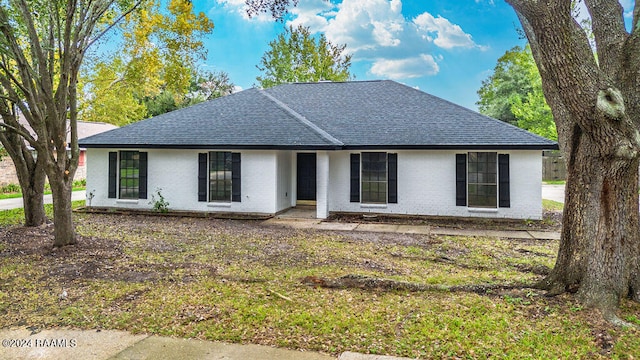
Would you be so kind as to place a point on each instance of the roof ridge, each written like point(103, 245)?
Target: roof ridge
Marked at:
point(302, 119)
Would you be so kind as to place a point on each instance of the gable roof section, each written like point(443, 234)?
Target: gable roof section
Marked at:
point(326, 115)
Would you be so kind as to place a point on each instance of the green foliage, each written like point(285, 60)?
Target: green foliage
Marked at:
point(513, 93)
point(511, 79)
point(12, 191)
point(154, 71)
point(160, 204)
point(10, 188)
point(113, 98)
point(296, 56)
point(204, 86)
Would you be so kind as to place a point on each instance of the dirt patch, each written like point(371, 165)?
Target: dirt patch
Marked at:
point(147, 248)
point(551, 221)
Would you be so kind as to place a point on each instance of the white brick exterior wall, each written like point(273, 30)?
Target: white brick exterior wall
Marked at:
point(426, 183)
point(176, 173)
point(426, 186)
point(284, 180)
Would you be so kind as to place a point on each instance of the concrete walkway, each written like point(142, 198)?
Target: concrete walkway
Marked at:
point(63, 344)
point(16, 203)
point(299, 222)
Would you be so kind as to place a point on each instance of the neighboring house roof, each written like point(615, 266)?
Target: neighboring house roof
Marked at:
point(324, 115)
point(85, 128)
point(89, 128)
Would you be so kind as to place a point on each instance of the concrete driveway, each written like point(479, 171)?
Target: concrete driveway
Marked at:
point(553, 192)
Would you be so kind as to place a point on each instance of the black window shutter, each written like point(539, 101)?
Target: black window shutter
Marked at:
point(236, 194)
point(202, 177)
point(392, 169)
point(504, 195)
point(113, 174)
point(355, 178)
point(461, 179)
point(142, 178)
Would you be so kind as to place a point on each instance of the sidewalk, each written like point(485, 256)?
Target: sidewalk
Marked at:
point(62, 344)
point(306, 223)
point(8, 204)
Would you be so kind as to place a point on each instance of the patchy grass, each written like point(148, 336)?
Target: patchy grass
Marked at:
point(16, 216)
point(551, 205)
point(554, 182)
point(241, 281)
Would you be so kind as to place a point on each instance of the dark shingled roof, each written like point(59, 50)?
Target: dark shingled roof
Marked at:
point(325, 115)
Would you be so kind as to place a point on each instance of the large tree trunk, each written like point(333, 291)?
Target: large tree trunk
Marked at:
point(61, 188)
point(599, 247)
point(595, 105)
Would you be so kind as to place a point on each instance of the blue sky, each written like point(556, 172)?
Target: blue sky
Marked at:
point(445, 48)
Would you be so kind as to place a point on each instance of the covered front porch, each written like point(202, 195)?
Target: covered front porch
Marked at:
point(309, 182)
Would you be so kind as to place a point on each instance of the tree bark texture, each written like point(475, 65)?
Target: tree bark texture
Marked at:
point(594, 99)
point(30, 170)
point(31, 177)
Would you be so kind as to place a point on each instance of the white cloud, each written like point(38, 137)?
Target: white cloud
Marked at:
point(423, 65)
point(239, 7)
point(628, 8)
point(442, 32)
point(376, 30)
point(313, 14)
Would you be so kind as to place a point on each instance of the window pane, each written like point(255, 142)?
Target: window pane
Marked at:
point(374, 177)
point(220, 176)
point(129, 174)
point(482, 176)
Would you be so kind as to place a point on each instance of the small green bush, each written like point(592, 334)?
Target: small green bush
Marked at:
point(160, 204)
point(11, 188)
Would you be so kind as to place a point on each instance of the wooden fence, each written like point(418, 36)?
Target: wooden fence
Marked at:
point(553, 168)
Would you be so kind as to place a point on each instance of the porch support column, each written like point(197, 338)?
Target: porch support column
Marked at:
point(322, 184)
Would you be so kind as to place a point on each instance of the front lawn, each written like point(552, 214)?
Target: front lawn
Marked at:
point(241, 281)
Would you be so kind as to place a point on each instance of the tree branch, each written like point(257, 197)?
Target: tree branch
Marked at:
point(608, 28)
point(635, 25)
point(115, 22)
point(20, 131)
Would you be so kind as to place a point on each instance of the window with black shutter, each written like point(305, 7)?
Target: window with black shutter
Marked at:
point(374, 178)
point(219, 177)
point(128, 175)
point(482, 180)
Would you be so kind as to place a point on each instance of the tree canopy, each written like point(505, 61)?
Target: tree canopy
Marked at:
point(513, 94)
point(155, 69)
point(296, 56)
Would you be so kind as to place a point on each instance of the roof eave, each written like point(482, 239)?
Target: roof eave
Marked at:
point(327, 147)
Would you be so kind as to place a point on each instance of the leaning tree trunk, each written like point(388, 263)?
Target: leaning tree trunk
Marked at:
point(31, 176)
point(596, 110)
point(33, 196)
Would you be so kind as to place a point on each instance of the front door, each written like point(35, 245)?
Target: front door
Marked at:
point(306, 188)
